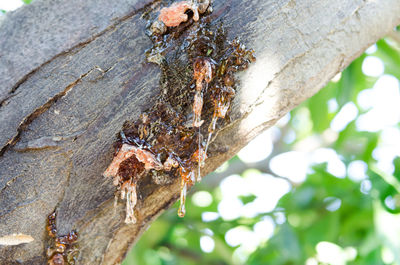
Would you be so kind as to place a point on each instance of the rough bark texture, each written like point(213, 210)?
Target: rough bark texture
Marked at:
point(72, 71)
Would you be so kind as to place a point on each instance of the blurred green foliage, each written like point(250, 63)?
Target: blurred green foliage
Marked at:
point(323, 220)
point(27, 2)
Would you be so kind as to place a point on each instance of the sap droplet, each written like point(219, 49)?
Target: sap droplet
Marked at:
point(131, 200)
point(182, 210)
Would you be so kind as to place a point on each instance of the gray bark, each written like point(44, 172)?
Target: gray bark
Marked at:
point(71, 72)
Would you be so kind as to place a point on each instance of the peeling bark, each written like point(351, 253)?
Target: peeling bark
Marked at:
point(71, 72)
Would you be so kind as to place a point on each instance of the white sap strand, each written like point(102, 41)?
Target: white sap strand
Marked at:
point(182, 210)
point(131, 200)
point(200, 160)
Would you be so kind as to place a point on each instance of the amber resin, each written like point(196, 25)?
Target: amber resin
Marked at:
point(197, 85)
point(175, 14)
point(62, 249)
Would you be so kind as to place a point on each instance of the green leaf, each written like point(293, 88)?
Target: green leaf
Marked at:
point(388, 178)
point(396, 163)
point(319, 108)
point(386, 185)
point(390, 57)
point(247, 199)
point(283, 248)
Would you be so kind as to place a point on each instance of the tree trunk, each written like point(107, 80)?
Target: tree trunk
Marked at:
point(72, 71)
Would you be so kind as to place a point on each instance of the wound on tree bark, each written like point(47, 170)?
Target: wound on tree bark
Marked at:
point(62, 249)
point(198, 67)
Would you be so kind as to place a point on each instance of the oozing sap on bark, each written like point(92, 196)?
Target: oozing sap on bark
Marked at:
point(197, 86)
point(62, 249)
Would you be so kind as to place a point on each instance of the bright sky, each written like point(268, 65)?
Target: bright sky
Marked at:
point(9, 5)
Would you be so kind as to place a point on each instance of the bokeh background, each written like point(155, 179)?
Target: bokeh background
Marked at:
point(320, 187)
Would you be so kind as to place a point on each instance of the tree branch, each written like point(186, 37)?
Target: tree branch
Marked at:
point(47, 46)
point(395, 35)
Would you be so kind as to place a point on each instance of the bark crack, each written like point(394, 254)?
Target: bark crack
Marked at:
point(9, 183)
point(36, 113)
point(75, 49)
point(45, 142)
point(68, 181)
